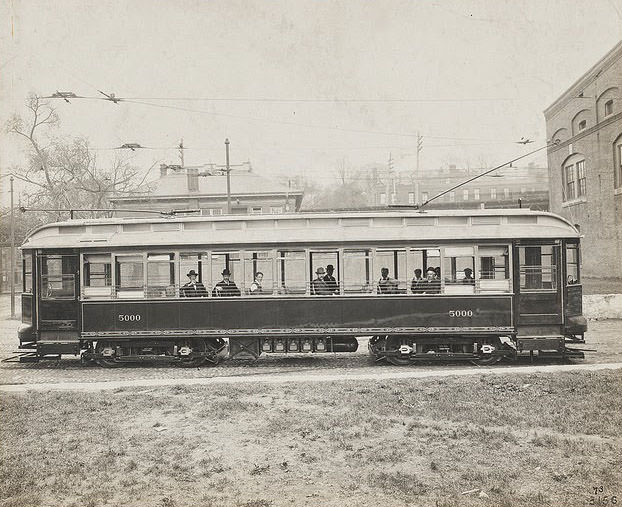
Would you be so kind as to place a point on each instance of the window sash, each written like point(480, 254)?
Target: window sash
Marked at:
point(572, 265)
point(27, 273)
point(538, 267)
point(581, 178)
point(58, 277)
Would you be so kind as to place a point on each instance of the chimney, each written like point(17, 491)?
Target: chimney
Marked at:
point(163, 170)
point(193, 179)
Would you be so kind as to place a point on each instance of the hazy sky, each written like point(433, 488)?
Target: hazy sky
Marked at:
point(300, 86)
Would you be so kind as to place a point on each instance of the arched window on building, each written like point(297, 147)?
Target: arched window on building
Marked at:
point(581, 121)
point(560, 135)
point(607, 102)
point(574, 181)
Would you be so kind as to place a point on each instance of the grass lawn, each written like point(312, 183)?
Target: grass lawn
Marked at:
point(514, 440)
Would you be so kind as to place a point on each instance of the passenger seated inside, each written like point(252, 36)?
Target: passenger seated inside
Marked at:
point(431, 284)
point(415, 284)
point(468, 277)
point(193, 288)
point(255, 288)
point(226, 287)
point(330, 280)
point(386, 284)
point(318, 285)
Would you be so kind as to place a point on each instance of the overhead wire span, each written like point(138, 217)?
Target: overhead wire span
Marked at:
point(111, 97)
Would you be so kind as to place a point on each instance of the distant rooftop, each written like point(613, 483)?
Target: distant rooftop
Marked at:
point(193, 181)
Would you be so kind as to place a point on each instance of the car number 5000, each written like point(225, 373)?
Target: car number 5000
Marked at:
point(461, 313)
point(128, 318)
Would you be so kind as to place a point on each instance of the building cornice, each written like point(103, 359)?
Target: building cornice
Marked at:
point(577, 87)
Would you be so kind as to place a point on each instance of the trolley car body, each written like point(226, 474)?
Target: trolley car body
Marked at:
point(112, 289)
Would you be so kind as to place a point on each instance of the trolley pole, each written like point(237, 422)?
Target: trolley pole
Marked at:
point(12, 255)
point(228, 169)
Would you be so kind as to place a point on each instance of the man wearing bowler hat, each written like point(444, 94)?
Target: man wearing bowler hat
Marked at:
point(330, 280)
point(226, 287)
point(193, 288)
point(318, 285)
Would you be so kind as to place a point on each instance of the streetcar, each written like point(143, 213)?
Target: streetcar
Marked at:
point(501, 284)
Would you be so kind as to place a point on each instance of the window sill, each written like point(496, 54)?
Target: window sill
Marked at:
point(574, 202)
point(617, 191)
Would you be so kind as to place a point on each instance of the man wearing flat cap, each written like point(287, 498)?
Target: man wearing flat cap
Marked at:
point(194, 288)
point(226, 287)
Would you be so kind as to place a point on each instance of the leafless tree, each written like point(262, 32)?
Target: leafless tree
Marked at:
point(64, 174)
point(342, 171)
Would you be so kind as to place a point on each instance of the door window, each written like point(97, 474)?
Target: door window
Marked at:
point(58, 276)
point(27, 267)
point(572, 264)
point(538, 267)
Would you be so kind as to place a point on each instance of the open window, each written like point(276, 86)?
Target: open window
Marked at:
point(97, 275)
point(494, 269)
point(425, 264)
point(230, 261)
point(58, 276)
point(393, 263)
point(259, 273)
point(459, 270)
point(329, 262)
point(191, 261)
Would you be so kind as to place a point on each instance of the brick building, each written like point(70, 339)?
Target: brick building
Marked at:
point(509, 187)
point(201, 188)
point(586, 163)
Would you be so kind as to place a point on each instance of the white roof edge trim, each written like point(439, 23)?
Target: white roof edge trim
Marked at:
point(555, 227)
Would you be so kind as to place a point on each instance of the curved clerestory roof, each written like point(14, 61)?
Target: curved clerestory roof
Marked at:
point(432, 226)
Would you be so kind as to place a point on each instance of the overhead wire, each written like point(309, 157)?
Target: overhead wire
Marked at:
point(118, 100)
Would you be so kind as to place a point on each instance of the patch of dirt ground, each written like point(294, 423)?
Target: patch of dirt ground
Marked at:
point(512, 440)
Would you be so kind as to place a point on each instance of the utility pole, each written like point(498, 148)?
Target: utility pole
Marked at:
point(228, 169)
point(12, 256)
point(181, 152)
point(417, 187)
point(390, 187)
